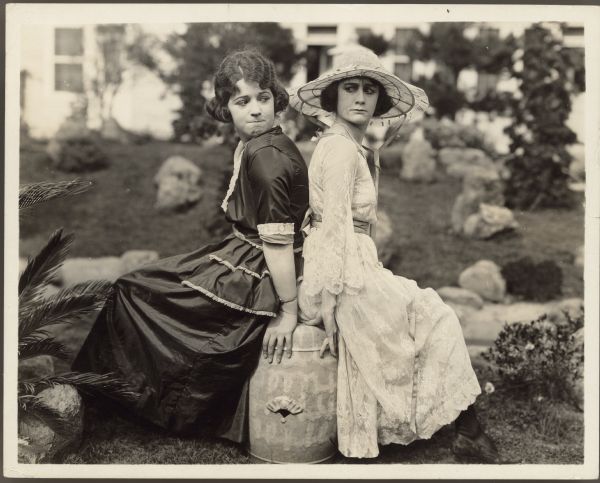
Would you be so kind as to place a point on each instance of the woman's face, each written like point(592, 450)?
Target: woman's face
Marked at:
point(252, 109)
point(357, 99)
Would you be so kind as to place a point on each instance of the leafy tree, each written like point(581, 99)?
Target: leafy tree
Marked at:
point(447, 44)
point(198, 53)
point(377, 43)
point(548, 75)
point(110, 65)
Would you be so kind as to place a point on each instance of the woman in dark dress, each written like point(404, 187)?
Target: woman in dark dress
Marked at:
point(186, 332)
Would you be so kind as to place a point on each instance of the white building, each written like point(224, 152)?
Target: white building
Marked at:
point(59, 65)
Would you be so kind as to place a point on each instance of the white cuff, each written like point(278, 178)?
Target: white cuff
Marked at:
point(275, 229)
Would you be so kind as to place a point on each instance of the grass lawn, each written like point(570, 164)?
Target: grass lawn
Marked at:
point(525, 431)
point(118, 215)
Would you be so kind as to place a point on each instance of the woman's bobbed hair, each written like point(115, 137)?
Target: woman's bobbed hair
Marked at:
point(329, 98)
point(251, 66)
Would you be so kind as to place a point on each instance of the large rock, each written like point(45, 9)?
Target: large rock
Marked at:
point(483, 326)
point(485, 279)
point(134, 259)
point(489, 221)
point(461, 161)
point(479, 186)
point(34, 367)
point(77, 270)
point(44, 443)
point(460, 296)
point(178, 184)
point(418, 159)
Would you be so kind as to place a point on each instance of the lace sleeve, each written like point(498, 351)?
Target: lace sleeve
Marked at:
point(332, 261)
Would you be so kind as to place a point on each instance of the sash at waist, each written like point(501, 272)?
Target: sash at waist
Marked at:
point(360, 226)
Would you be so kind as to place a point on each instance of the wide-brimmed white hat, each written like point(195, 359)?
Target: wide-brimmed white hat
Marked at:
point(358, 61)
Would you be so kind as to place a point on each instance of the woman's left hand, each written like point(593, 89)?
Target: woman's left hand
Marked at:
point(279, 336)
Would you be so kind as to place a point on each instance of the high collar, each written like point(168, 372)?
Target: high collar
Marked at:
point(273, 130)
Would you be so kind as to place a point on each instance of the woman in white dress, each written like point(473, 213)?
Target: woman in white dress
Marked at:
point(403, 370)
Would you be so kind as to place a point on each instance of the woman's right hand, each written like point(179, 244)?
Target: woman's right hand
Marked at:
point(279, 336)
point(327, 314)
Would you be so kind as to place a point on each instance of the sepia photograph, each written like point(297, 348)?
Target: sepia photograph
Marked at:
point(301, 241)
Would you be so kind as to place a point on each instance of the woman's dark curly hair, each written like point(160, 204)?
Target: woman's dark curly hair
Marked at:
point(251, 66)
point(329, 98)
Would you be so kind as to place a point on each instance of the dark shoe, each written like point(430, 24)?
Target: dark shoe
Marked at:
point(480, 448)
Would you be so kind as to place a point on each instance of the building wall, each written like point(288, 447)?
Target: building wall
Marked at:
point(44, 107)
point(143, 103)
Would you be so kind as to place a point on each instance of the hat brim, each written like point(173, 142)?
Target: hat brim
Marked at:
point(406, 99)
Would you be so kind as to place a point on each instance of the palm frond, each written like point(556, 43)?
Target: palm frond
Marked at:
point(25, 389)
point(33, 407)
point(108, 384)
point(66, 306)
point(32, 194)
point(44, 265)
point(33, 347)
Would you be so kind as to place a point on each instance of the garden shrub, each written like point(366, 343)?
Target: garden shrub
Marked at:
point(539, 358)
point(539, 160)
point(531, 280)
point(81, 154)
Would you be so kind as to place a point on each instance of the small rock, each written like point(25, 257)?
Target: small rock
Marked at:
point(460, 296)
point(34, 367)
point(77, 270)
point(45, 441)
point(479, 186)
point(178, 184)
point(418, 159)
point(573, 308)
point(49, 290)
point(489, 221)
point(485, 279)
point(134, 259)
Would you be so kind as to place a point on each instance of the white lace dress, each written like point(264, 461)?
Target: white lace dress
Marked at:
point(404, 370)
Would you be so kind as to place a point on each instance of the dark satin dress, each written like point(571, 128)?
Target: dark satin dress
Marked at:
point(186, 331)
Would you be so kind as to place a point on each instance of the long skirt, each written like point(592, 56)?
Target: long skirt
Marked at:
point(185, 333)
